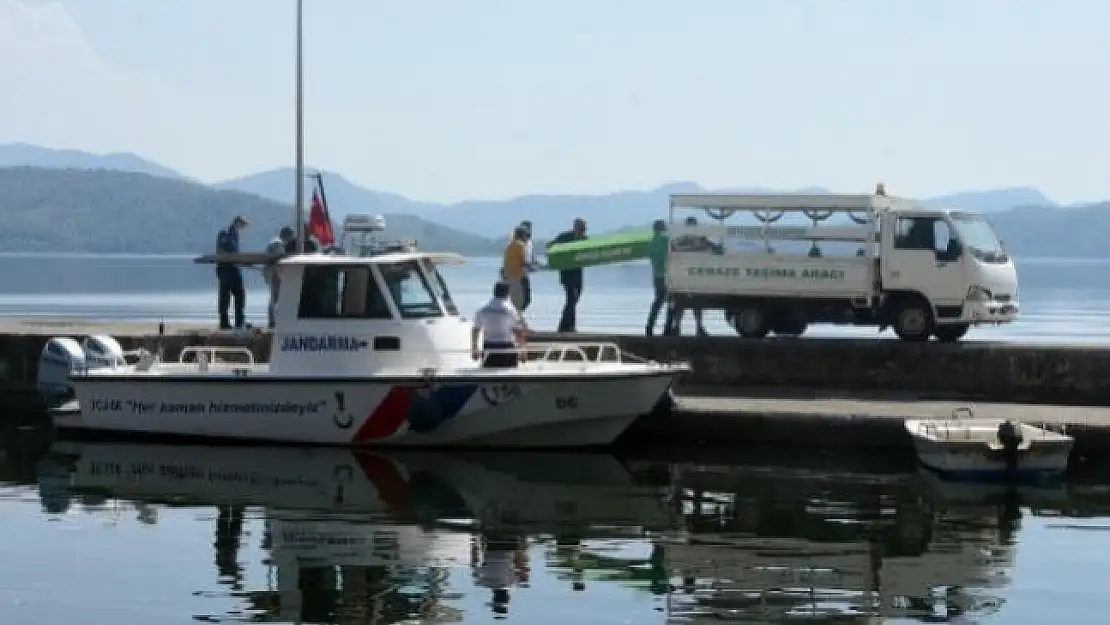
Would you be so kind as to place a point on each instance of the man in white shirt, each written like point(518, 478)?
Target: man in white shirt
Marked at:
point(501, 329)
point(276, 246)
point(530, 265)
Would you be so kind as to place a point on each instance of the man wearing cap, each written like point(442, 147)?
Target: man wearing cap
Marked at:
point(229, 276)
point(276, 247)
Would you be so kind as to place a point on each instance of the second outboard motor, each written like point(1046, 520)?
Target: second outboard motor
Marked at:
point(60, 357)
point(1009, 435)
point(102, 350)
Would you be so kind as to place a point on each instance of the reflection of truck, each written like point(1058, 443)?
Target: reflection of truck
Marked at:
point(889, 263)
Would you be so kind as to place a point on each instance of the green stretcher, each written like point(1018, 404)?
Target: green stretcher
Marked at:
point(601, 250)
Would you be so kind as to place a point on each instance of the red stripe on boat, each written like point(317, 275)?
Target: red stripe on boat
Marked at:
point(388, 416)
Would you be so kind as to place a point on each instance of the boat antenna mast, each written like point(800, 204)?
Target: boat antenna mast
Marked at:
point(298, 200)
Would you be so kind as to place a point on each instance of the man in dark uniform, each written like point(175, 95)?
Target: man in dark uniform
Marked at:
point(571, 279)
point(229, 276)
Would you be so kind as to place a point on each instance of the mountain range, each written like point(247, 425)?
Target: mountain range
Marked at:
point(133, 190)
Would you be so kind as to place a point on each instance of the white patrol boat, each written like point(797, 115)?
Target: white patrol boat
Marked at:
point(366, 350)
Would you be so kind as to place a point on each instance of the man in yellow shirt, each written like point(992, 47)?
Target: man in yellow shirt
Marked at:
point(513, 266)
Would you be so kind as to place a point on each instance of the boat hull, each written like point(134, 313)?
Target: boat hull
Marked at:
point(492, 412)
point(972, 461)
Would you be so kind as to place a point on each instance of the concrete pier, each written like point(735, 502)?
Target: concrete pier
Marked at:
point(22, 340)
point(972, 371)
point(707, 417)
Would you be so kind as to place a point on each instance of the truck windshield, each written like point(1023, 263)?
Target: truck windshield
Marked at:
point(978, 237)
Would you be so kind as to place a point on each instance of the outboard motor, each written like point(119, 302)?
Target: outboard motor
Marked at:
point(60, 356)
point(1009, 435)
point(102, 350)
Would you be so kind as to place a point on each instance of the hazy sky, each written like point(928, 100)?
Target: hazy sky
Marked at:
point(452, 99)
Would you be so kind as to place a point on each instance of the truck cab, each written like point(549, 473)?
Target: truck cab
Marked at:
point(777, 263)
point(952, 264)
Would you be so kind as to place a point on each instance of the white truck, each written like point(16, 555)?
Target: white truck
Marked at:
point(777, 263)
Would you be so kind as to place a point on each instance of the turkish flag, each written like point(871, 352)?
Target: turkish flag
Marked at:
point(319, 223)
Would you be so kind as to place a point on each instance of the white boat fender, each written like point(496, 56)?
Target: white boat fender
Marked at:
point(60, 357)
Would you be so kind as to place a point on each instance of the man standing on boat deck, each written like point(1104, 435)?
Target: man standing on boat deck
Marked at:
point(275, 247)
point(501, 328)
point(529, 265)
point(513, 267)
point(571, 279)
point(229, 276)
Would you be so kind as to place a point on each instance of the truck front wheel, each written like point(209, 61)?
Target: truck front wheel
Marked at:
point(750, 323)
point(913, 321)
point(950, 333)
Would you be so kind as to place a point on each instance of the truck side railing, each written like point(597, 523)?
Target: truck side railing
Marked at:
point(775, 233)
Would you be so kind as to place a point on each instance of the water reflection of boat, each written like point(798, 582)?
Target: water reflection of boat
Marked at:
point(373, 533)
point(525, 490)
point(776, 543)
point(1047, 495)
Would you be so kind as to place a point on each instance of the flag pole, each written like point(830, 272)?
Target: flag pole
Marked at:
point(323, 196)
point(298, 200)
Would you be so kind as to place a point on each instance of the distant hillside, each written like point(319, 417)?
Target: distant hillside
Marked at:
point(1047, 232)
point(554, 213)
point(1031, 224)
point(25, 155)
point(344, 197)
point(77, 210)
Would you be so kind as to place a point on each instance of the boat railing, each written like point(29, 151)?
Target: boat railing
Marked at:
point(586, 352)
point(953, 430)
point(215, 354)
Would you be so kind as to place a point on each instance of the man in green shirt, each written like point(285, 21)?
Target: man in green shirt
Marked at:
point(657, 252)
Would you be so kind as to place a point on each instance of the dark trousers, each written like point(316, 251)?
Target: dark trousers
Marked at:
point(500, 358)
point(231, 287)
point(568, 321)
point(675, 325)
point(660, 299)
point(526, 284)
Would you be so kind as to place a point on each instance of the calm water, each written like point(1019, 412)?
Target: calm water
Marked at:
point(108, 533)
point(1062, 300)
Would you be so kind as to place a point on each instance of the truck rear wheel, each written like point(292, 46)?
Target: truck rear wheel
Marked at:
point(750, 322)
point(913, 320)
point(950, 333)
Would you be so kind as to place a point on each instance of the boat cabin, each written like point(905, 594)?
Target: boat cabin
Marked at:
point(350, 315)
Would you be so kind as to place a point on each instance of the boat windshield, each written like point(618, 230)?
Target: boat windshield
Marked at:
point(410, 290)
point(978, 237)
point(439, 285)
